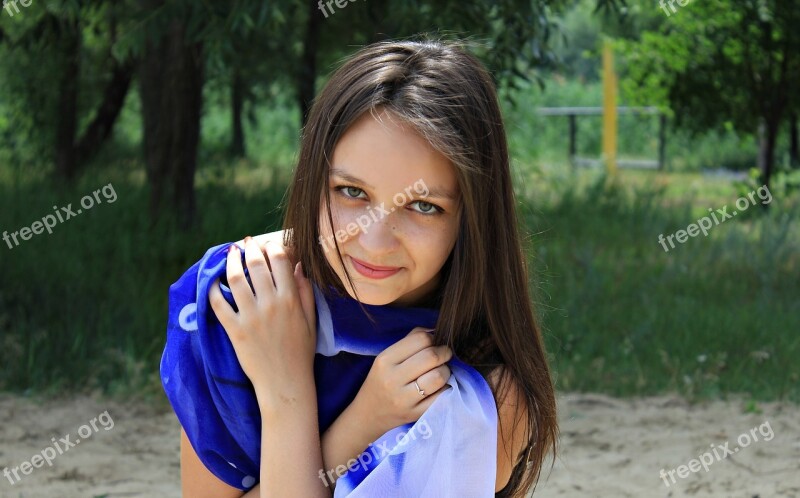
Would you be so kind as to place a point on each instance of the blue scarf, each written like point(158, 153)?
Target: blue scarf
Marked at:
point(449, 451)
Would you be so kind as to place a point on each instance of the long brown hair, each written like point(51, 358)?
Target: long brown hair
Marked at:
point(486, 313)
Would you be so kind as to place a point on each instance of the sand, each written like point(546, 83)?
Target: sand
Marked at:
point(612, 447)
point(137, 456)
point(608, 447)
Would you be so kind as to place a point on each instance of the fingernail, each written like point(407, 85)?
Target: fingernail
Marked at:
point(247, 239)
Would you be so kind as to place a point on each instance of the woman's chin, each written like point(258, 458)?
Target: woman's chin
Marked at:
point(374, 297)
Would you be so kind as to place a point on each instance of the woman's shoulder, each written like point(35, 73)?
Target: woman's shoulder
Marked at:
point(495, 376)
point(505, 387)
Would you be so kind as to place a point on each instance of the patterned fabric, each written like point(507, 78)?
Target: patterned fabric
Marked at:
point(449, 451)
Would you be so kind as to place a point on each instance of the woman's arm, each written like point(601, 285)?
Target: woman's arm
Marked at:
point(353, 430)
point(387, 399)
point(343, 441)
point(286, 392)
point(274, 336)
point(197, 481)
point(512, 427)
point(291, 457)
point(283, 376)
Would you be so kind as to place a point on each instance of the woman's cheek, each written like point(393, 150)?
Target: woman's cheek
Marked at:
point(438, 239)
point(346, 221)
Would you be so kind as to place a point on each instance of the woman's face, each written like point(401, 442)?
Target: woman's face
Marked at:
point(395, 203)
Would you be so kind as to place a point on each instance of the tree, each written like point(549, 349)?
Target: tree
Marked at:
point(248, 51)
point(56, 90)
point(301, 40)
point(171, 88)
point(514, 34)
point(723, 61)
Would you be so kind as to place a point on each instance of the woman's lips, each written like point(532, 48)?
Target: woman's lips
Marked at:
point(369, 271)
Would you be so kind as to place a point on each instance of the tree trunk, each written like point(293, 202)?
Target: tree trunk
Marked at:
point(70, 40)
point(103, 123)
point(237, 103)
point(794, 143)
point(308, 65)
point(171, 81)
point(768, 134)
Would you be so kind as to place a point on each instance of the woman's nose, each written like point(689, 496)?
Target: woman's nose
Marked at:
point(380, 235)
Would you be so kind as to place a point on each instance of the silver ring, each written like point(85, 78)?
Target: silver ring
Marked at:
point(420, 391)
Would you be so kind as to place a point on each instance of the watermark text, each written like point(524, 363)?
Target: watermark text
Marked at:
point(717, 453)
point(49, 221)
point(371, 453)
point(704, 224)
point(63, 445)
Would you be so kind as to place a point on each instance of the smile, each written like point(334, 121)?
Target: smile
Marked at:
point(376, 272)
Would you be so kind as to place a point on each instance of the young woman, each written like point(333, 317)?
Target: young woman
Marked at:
point(401, 200)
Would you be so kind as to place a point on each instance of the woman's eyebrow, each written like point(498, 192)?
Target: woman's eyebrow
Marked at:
point(439, 192)
point(348, 177)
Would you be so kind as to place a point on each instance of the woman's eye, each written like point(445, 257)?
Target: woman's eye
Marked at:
point(427, 208)
point(350, 192)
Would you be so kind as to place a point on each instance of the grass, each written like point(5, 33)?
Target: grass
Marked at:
point(714, 316)
point(85, 307)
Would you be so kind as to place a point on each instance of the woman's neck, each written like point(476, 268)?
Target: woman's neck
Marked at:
point(425, 296)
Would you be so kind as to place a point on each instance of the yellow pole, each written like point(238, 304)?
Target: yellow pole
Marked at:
point(609, 110)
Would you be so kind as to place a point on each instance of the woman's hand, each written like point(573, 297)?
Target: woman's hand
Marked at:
point(388, 397)
point(274, 333)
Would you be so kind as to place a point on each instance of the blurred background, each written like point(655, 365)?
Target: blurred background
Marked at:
point(155, 129)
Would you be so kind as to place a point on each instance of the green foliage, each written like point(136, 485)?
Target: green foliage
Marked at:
point(540, 139)
point(784, 184)
point(87, 307)
point(257, 41)
point(583, 29)
point(717, 62)
point(272, 133)
point(714, 316)
point(512, 37)
point(752, 407)
point(31, 62)
point(577, 48)
point(258, 44)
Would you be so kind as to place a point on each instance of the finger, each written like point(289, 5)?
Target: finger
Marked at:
point(282, 271)
point(427, 401)
point(257, 267)
point(433, 380)
point(306, 292)
point(222, 309)
point(242, 292)
point(416, 340)
point(423, 361)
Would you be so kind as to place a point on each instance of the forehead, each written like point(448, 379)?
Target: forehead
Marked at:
point(384, 152)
